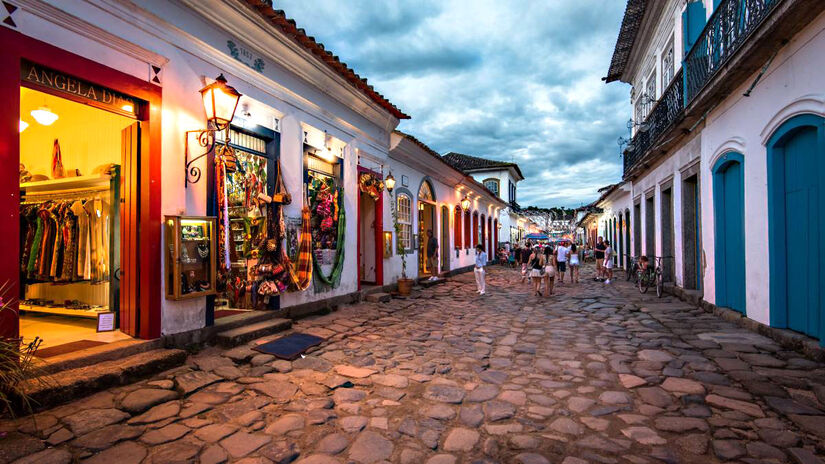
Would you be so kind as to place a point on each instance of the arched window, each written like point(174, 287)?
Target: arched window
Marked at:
point(467, 230)
point(425, 192)
point(404, 221)
point(492, 185)
point(457, 227)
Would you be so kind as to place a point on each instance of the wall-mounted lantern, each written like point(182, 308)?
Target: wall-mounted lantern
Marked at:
point(465, 204)
point(220, 100)
point(389, 182)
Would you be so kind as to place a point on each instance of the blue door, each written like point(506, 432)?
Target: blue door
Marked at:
point(801, 231)
point(797, 227)
point(729, 214)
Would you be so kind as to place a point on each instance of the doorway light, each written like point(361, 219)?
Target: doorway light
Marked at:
point(44, 116)
point(23, 125)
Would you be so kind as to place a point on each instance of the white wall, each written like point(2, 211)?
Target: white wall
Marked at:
point(792, 85)
point(129, 39)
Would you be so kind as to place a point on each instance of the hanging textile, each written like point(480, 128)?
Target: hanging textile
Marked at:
point(301, 271)
point(334, 277)
point(223, 215)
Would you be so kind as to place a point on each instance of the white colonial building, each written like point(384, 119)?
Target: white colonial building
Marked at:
point(502, 179)
point(722, 175)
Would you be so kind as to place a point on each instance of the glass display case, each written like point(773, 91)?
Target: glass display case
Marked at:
point(190, 256)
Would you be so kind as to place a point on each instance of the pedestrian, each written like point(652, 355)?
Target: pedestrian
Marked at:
point(536, 265)
point(562, 252)
point(525, 256)
point(574, 263)
point(608, 262)
point(599, 255)
point(549, 274)
point(432, 255)
point(481, 262)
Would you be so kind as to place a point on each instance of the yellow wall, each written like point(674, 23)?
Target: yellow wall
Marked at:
point(88, 136)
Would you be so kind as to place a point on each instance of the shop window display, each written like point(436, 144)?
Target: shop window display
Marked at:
point(70, 186)
point(327, 219)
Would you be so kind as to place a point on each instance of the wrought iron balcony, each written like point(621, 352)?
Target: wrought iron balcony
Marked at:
point(727, 31)
point(730, 25)
point(669, 109)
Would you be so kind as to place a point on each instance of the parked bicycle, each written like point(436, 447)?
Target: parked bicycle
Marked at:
point(649, 274)
point(632, 268)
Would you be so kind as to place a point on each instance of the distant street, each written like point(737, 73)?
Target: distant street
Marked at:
point(597, 373)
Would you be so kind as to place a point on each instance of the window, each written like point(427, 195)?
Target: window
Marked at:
point(404, 221)
point(467, 229)
point(649, 98)
point(667, 65)
point(650, 93)
point(475, 230)
point(638, 112)
point(512, 193)
point(492, 185)
point(457, 227)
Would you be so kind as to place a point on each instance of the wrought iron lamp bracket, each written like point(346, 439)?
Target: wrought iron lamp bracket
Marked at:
point(208, 141)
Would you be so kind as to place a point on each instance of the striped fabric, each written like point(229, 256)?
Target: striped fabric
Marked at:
point(301, 272)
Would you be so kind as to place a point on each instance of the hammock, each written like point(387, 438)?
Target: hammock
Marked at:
point(302, 276)
point(338, 265)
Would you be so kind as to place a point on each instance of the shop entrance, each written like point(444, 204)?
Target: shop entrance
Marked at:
point(366, 233)
point(256, 149)
point(427, 265)
point(370, 227)
point(75, 171)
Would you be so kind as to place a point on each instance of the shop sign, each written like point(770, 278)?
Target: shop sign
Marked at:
point(77, 89)
point(245, 56)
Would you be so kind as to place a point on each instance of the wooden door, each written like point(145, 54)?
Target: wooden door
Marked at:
point(802, 242)
point(729, 213)
point(445, 239)
point(126, 277)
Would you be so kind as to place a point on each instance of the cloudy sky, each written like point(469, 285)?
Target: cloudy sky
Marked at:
point(512, 80)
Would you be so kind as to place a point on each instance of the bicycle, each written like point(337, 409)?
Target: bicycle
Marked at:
point(632, 268)
point(651, 276)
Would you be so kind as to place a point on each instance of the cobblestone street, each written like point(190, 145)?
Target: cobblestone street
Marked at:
point(596, 373)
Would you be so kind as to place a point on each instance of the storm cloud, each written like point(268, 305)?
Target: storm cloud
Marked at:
point(508, 80)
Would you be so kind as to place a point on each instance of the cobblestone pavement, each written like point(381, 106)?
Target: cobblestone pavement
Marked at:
point(595, 373)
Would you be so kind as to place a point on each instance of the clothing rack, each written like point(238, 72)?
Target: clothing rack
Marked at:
point(92, 186)
point(61, 194)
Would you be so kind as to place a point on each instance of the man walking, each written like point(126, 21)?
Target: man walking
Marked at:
point(481, 261)
point(562, 252)
point(599, 255)
point(432, 255)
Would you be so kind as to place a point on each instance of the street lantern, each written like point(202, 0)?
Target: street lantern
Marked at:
point(465, 204)
point(220, 100)
point(389, 182)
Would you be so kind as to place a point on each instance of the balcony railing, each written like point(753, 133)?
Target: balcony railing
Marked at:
point(667, 110)
point(727, 29)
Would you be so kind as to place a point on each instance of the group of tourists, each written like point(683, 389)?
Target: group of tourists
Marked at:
point(540, 264)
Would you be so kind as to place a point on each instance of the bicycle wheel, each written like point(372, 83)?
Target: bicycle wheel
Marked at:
point(643, 282)
point(629, 273)
point(660, 284)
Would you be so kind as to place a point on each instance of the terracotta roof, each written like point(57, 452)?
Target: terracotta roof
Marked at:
point(467, 163)
point(434, 154)
point(633, 15)
point(288, 27)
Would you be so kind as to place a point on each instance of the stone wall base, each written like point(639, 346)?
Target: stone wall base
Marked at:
point(789, 339)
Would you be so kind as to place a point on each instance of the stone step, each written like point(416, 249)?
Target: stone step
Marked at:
point(52, 389)
point(241, 335)
point(379, 297)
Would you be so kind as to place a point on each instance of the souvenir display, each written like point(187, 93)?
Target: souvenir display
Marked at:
point(190, 261)
point(370, 184)
point(327, 228)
